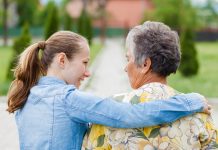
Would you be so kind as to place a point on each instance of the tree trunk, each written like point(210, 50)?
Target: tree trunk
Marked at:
point(5, 26)
point(85, 3)
point(103, 19)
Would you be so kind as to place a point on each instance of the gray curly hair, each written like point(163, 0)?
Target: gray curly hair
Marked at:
point(158, 42)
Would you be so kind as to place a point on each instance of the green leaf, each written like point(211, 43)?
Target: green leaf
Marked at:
point(154, 133)
point(100, 141)
point(140, 134)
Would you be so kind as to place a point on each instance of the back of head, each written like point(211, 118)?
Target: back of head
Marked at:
point(158, 42)
point(34, 62)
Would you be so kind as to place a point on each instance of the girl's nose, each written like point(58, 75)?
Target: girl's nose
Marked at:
point(87, 73)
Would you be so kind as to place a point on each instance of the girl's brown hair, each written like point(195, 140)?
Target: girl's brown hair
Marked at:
point(32, 64)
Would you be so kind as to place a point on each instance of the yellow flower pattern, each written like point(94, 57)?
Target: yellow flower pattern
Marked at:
point(193, 132)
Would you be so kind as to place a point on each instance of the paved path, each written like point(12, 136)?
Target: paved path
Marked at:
point(8, 131)
point(108, 77)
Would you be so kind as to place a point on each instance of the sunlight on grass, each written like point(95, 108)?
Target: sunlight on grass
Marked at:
point(206, 82)
point(5, 56)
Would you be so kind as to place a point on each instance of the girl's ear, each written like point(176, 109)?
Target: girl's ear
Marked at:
point(146, 66)
point(61, 58)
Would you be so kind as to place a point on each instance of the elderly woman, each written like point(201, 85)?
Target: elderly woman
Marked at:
point(153, 53)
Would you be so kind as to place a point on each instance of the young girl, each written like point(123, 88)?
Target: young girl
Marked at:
point(51, 113)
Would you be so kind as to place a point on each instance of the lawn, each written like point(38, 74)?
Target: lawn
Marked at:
point(6, 54)
point(206, 82)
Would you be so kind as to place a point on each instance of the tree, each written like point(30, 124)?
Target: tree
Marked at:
point(189, 63)
point(189, 22)
point(68, 22)
point(181, 16)
point(208, 14)
point(176, 14)
point(102, 14)
point(85, 26)
point(52, 24)
point(5, 18)
point(20, 43)
point(65, 18)
point(169, 11)
point(26, 11)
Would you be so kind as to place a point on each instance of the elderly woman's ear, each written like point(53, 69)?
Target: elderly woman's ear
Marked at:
point(146, 67)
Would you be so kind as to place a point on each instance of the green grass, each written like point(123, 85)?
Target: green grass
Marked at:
point(206, 82)
point(5, 57)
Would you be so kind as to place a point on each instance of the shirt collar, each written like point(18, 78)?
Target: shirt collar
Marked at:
point(50, 80)
point(151, 84)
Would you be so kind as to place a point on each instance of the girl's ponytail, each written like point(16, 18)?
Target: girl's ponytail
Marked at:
point(27, 73)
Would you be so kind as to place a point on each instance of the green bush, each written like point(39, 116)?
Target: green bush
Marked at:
point(20, 43)
point(189, 62)
point(85, 26)
point(52, 24)
point(68, 23)
point(26, 11)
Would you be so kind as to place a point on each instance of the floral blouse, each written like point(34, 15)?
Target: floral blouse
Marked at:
point(193, 132)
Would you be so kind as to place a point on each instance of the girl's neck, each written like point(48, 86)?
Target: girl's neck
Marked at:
point(54, 73)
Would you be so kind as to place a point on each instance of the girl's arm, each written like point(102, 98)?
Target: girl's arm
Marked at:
point(83, 107)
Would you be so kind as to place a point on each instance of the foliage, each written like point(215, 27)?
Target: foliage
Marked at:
point(65, 17)
point(149, 15)
point(188, 16)
point(52, 24)
point(40, 17)
point(19, 45)
point(206, 81)
point(176, 14)
point(43, 13)
point(4, 21)
point(1, 14)
point(180, 15)
point(85, 26)
point(168, 12)
point(26, 11)
point(68, 22)
point(208, 14)
point(189, 63)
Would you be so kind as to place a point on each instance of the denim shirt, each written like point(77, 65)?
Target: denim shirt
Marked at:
point(56, 115)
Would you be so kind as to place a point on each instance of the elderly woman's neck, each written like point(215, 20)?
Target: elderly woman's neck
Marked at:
point(149, 77)
point(153, 77)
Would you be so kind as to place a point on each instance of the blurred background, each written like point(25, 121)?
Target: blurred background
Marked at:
point(105, 23)
point(23, 22)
